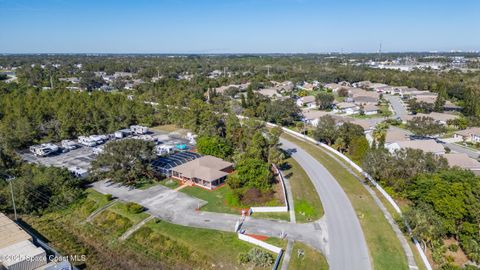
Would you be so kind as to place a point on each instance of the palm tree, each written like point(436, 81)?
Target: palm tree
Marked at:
point(380, 133)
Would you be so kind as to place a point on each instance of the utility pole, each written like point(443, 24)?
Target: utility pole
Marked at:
point(9, 179)
point(268, 70)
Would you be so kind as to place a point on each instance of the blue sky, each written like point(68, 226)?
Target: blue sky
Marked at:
point(228, 26)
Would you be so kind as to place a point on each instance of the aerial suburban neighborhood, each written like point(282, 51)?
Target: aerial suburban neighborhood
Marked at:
point(239, 135)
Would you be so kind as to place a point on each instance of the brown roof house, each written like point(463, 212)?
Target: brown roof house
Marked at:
point(427, 146)
point(463, 161)
point(207, 171)
point(469, 135)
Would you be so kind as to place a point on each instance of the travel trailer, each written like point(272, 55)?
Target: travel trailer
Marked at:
point(43, 150)
point(139, 130)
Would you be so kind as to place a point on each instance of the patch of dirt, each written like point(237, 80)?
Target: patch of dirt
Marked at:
point(460, 258)
point(254, 196)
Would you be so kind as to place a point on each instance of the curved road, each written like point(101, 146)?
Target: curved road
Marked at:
point(338, 233)
point(347, 248)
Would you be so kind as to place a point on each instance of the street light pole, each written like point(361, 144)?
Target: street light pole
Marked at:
point(9, 179)
point(13, 199)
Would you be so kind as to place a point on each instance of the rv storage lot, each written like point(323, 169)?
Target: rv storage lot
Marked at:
point(82, 157)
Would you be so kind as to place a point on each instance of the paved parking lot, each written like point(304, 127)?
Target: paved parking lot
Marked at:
point(82, 157)
point(77, 158)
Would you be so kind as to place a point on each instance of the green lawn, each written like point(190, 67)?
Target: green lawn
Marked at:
point(216, 199)
point(307, 204)
point(305, 257)
point(121, 209)
point(384, 246)
point(280, 216)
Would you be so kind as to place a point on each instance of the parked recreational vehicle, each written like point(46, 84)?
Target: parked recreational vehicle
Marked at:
point(70, 145)
point(164, 149)
point(122, 133)
point(43, 150)
point(87, 141)
point(78, 172)
point(139, 130)
point(192, 138)
point(147, 138)
point(99, 139)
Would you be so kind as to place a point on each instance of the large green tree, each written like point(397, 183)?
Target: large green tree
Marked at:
point(215, 146)
point(126, 161)
point(425, 126)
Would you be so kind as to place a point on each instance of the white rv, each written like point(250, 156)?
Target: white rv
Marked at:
point(191, 138)
point(87, 141)
point(164, 149)
point(122, 133)
point(99, 139)
point(70, 145)
point(43, 150)
point(139, 130)
point(78, 172)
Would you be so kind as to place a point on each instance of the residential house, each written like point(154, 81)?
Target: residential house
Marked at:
point(241, 87)
point(384, 89)
point(441, 118)
point(394, 135)
point(308, 101)
point(346, 108)
point(367, 125)
point(463, 161)
point(428, 146)
point(362, 84)
point(311, 117)
point(207, 171)
point(359, 95)
point(306, 86)
point(369, 108)
point(333, 86)
point(468, 135)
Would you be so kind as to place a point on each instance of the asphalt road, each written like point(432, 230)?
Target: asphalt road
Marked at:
point(459, 149)
point(347, 245)
point(397, 105)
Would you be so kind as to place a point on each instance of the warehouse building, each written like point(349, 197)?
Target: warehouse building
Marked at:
point(16, 248)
